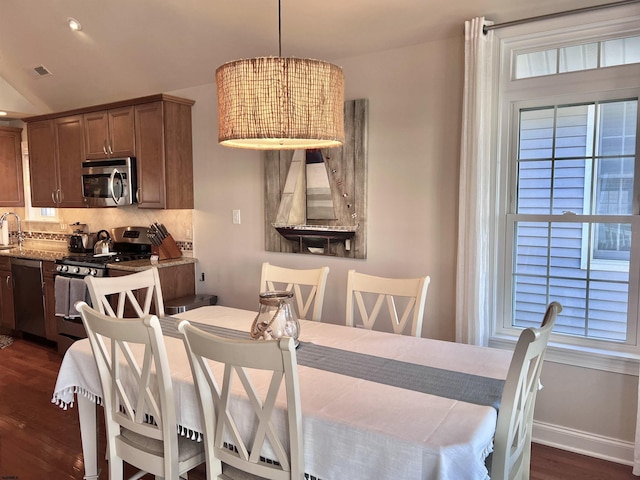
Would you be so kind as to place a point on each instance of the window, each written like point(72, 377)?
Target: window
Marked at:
point(569, 230)
point(573, 58)
point(566, 155)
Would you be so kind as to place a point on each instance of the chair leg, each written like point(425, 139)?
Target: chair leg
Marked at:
point(116, 468)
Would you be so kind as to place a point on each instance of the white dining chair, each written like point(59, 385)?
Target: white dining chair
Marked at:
point(511, 456)
point(264, 447)
point(370, 292)
point(130, 294)
point(308, 287)
point(137, 396)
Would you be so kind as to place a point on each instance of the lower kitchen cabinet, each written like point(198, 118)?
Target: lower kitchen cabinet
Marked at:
point(7, 317)
point(176, 281)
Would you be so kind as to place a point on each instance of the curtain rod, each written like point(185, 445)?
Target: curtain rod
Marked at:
point(486, 28)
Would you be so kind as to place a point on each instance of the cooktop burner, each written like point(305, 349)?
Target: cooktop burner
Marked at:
point(102, 258)
point(82, 264)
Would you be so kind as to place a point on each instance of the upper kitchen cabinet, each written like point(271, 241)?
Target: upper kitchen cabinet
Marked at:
point(11, 181)
point(164, 154)
point(156, 130)
point(56, 152)
point(109, 133)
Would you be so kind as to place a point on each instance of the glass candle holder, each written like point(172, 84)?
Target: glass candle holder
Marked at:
point(275, 317)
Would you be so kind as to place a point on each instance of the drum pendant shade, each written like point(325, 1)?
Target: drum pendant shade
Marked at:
point(276, 103)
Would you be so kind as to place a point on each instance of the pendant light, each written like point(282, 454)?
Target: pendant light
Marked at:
point(276, 103)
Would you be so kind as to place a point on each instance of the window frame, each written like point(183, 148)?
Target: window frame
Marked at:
point(510, 95)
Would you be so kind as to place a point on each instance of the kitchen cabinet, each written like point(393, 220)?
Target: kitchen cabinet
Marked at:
point(154, 129)
point(109, 133)
point(7, 317)
point(164, 154)
point(48, 271)
point(56, 152)
point(176, 281)
point(11, 181)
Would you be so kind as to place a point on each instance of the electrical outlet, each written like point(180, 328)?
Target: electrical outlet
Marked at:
point(236, 217)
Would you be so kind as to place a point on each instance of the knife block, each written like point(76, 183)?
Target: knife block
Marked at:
point(167, 249)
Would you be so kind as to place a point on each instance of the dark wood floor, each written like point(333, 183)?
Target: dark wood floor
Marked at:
point(38, 440)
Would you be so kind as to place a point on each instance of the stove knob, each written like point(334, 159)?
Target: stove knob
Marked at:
point(93, 271)
point(64, 268)
point(59, 268)
point(75, 270)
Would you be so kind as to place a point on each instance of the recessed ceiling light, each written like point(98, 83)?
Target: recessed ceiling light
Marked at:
point(74, 24)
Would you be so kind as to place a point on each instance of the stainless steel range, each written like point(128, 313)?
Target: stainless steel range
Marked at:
point(129, 243)
point(96, 265)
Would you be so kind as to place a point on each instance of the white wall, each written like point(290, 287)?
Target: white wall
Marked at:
point(414, 105)
point(414, 120)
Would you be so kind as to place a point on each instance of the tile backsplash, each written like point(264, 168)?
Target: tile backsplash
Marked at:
point(179, 223)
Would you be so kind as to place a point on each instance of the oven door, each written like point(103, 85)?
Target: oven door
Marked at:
point(69, 328)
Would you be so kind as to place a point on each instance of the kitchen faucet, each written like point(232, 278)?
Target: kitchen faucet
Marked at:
point(20, 234)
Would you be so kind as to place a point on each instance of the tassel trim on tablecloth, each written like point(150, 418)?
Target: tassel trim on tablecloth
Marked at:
point(183, 431)
point(191, 434)
point(74, 390)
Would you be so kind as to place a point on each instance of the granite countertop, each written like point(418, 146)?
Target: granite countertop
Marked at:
point(54, 252)
point(34, 253)
point(139, 265)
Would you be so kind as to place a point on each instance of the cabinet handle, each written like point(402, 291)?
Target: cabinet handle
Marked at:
point(9, 285)
point(110, 149)
point(53, 198)
point(104, 147)
point(59, 196)
point(138, 195)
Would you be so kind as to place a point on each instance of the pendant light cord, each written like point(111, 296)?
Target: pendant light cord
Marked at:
point(279, 31)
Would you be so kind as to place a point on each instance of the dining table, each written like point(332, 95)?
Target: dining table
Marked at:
point(374, 404)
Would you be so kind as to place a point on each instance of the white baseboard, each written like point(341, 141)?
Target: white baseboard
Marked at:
point(606, 448)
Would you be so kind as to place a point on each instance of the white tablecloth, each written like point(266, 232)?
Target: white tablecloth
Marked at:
point(353, 428)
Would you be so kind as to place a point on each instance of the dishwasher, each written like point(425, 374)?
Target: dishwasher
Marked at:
point(28, 296)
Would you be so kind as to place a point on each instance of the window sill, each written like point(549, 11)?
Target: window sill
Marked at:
point(579, 356)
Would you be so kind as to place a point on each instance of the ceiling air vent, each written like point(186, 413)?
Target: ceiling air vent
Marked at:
point(41, 71)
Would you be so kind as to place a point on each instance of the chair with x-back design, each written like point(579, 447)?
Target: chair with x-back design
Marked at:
point(307, 286)
point(130, 295)
point(244, 384)
point(512, 444)
point(137, 395)
point(370, 293)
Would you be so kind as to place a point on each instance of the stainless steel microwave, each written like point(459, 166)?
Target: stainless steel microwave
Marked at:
point(109, 182)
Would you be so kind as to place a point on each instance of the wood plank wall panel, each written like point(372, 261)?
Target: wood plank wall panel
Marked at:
point(347, 171)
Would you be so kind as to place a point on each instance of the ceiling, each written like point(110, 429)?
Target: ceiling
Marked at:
point(131, 48)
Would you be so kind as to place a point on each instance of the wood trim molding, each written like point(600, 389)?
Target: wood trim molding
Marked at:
point(109, 106)
point(585, 443)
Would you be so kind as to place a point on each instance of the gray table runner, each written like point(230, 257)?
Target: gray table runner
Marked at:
point(410, 376)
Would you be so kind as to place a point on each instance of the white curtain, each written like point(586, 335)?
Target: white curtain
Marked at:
point(475, 195)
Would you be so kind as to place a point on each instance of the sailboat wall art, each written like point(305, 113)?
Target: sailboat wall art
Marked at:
point(316, 200)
